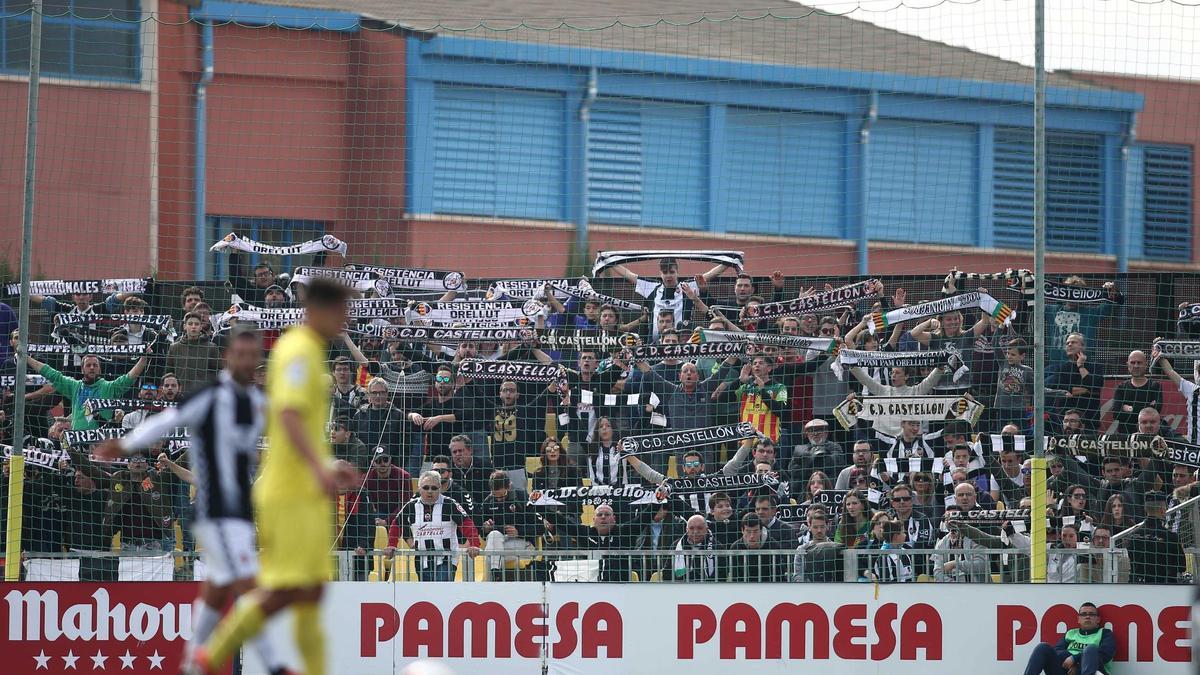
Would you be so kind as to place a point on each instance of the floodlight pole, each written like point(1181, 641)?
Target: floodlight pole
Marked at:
point(1037, 519)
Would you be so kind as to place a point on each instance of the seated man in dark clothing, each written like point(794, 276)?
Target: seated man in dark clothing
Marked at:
point(755, 565)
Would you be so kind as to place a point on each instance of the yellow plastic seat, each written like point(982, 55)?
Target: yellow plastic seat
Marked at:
point(589, 515)
point(533, 465)
point(672, 469)
point(924, 579)
point(633, 576)
point(656, 577)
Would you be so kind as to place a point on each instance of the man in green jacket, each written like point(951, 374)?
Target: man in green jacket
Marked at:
point(1086, 650)
point(77, 391)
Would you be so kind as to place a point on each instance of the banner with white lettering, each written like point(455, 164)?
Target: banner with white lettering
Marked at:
point(677, 441)
point(615, 629)
point(687, 351)
point(825, 301)
point(520, 371)
point(412, 278)
point(595, 495)
point(902, 408)
point(822, 345)
point(475, 312)
point(360, 280)
point(93, 286)
point(719, 482)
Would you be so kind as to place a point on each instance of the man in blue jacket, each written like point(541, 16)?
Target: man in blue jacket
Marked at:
point(1086, 650)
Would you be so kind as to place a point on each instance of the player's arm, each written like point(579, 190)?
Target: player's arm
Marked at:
point(155, 427)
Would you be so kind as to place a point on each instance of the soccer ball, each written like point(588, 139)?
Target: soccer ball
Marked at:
point(427, 668)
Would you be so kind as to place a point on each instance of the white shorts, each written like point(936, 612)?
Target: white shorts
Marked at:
point(229, 549)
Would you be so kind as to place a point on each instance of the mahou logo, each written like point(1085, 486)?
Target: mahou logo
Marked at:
point(138, 626)
point(38, 615)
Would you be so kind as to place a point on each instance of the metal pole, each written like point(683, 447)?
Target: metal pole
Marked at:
point(580, 254)
point(16, 477)
point(1038, 488)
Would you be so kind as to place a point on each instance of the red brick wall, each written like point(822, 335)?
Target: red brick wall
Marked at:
point(92, 210)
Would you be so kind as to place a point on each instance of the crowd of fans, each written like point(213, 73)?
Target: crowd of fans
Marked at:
point(475, 456)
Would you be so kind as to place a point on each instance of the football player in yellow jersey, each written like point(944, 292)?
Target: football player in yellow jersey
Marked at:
point(294, 492)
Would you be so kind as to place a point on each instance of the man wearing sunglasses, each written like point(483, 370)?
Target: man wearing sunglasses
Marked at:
point(1086, 650)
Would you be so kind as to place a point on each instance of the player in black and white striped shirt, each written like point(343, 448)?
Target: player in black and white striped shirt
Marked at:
point(226, 421)
point(431, 521)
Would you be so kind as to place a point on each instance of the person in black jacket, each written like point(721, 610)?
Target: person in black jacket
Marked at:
point(754, 566)
point(506, 523)
point(605, 534)
point(84, 493)
point(1155, 554)
point(379, 423)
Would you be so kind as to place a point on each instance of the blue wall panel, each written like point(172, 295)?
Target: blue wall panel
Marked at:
point(497, 153)
point(783, 173)
point(921, 183)
point(1167, 201)
point(647, 164)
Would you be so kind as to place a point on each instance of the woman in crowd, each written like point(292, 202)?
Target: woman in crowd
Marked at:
point(817, 482)
point(604, 464)
point(855, 523)
point(557, 469)
point(1115, 517)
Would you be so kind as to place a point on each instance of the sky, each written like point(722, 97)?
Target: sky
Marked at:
point(1156, 38)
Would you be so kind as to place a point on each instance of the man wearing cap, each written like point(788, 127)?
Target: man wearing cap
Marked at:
point(388, 487)
point(1086, 650)
point(818, 454)
point(1155, 554)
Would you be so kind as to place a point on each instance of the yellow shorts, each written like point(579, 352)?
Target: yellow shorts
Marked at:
point(297, 539)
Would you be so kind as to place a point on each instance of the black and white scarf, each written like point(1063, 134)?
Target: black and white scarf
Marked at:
point(607, 259)
point(676, 441)
point(447, 336)
point(1189, 317)
point(31, 380)
point(96, 405)
point(849, 358)
point(1014, 280)
point(984, 301)
point(476, 312)
point(46, 457)
point(94, 329)
point(77, 437)
point(518, 371)
point(682, 562)
point(93, 286)
point(720, 482)
point(1182, 452)
point(560, 338)
point(899, 408)
point(687, 351)
point(98, 350)
point(906, 464)
point(360, 280)
point(998, 443)
point(242, 243)
point(821, 345)
point(527, 289)
point(627, 495)
point(1080, 295)
point(266, 318)
point(898, 448)
point(414, 278)
point(376, 308)
point(1186, 349)
point(826, 301)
